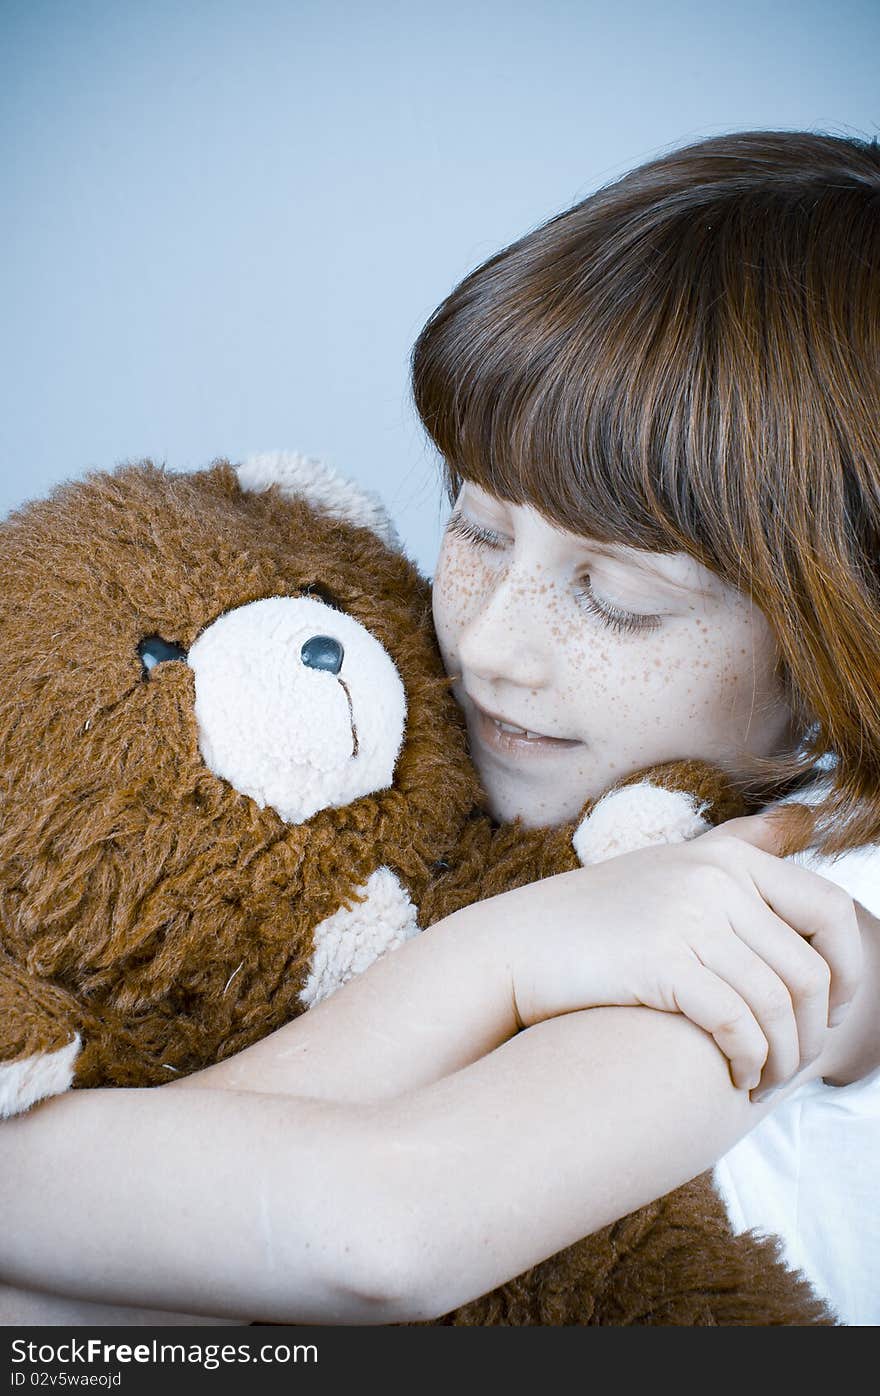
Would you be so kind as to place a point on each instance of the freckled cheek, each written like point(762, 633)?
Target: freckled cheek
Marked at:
point(721, 675)
point(670, 674)
point(618, 666)
point(605, 678)
point(462, 585)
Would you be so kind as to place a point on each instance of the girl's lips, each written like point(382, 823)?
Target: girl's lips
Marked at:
point(497, 735)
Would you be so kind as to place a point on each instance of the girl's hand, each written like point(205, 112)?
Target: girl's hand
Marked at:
point(761, 953)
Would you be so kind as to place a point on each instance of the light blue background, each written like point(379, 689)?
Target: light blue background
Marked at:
point(225, 221)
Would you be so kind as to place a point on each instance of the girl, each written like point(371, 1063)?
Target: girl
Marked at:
point(657, 415)
point(685, 364)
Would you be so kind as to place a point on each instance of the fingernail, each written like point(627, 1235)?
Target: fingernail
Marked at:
point(759, 1096)
point(838, 1014)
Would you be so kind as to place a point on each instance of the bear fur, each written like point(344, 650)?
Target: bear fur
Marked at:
point(232, 776)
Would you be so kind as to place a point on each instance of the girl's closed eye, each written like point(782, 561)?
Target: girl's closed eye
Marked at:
point(462, 527)
point(615, 617)
point(630, 622)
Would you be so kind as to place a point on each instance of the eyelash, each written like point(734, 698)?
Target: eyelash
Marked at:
point(623, 622)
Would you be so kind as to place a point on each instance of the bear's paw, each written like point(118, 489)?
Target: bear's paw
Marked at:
point(348, 942)
point(24, 1082)
point(637, 816)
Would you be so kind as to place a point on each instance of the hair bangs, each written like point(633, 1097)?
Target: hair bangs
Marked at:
point(580, 406)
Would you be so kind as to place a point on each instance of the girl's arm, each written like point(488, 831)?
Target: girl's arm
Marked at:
point(292, 1209)
point(683, 929)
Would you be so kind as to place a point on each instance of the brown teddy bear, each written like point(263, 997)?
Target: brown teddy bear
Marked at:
point(232, 776)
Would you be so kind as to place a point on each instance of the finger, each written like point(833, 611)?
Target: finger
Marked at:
point(783, 830)
point(815, 907)
point(719, 1010)
point(804, 972)
point(782, 979)
point(820, 911)
point(767, 997)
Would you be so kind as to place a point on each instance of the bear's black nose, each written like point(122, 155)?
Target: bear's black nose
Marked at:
point(322, 652)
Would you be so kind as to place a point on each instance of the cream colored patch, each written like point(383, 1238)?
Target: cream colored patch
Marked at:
point(321, 486)
point(290, 736)
point(352, 938)
point(637, 817)
point(24, 1082)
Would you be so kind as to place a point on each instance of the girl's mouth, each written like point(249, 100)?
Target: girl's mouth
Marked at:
point(505, 738)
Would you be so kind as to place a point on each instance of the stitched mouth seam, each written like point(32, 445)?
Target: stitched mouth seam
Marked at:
point(354, 736)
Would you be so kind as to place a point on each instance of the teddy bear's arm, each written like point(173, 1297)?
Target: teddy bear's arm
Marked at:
point(674, 1262)
point(678, 1262)
point(669, 803)
point(39, 1041)
point(661, 804)
point(348, 942)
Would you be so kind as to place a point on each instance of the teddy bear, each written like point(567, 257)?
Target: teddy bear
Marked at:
point(233, 775)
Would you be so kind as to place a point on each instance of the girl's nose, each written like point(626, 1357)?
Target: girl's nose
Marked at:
point(505, 638)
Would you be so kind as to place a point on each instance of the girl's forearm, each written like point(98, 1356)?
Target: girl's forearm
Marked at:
point(209, 1203)
point(447, 998)
point(375, 1204)
point(436, 1004)
point(276, 1208)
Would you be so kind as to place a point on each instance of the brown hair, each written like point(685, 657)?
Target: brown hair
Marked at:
point(689, 360)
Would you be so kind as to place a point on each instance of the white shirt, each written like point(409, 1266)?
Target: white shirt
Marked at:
point(810, 1171)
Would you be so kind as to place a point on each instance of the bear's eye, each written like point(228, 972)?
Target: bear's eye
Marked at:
point(154, 650)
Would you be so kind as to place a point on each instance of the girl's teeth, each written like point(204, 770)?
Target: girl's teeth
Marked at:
point(508, 727)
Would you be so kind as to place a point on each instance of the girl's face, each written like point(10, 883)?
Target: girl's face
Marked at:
point(578, 663)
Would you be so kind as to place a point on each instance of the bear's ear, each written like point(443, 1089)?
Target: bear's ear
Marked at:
point(320, 486)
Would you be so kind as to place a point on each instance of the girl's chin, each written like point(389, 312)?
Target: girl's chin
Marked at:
point(533, 806)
